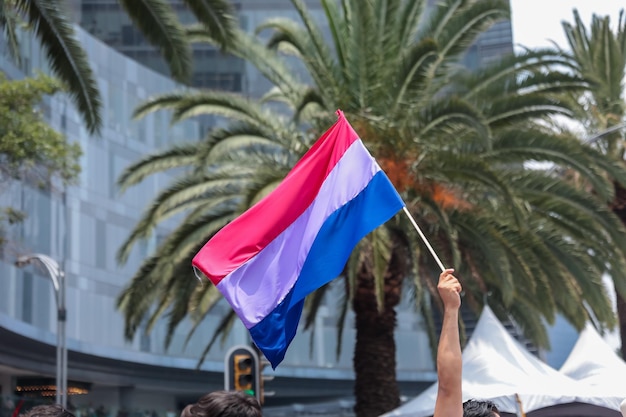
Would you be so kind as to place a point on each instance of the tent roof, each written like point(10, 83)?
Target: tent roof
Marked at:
point(499, 368)
point(593, 362)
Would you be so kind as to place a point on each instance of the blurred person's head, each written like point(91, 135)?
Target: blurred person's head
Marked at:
point(476, 408)
point(224, 404)
point(48, 410)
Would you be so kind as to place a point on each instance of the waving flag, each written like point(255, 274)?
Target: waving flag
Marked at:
point(299, 237)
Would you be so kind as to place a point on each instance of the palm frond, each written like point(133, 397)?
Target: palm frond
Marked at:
point(456, 33)
point(223, 329)
point(266, 61)
point(177, 156)
point(68, 60)
point(160, 102)
point(184, 194)
point(217, 17)
point(202, 303)
point(9, 22)
point(159, 24)
point(511, 146)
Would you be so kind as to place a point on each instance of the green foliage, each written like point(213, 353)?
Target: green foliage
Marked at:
point(160, 25)
point(598, 53)
point(29, 147)
point(9, 216)
point(49, 21)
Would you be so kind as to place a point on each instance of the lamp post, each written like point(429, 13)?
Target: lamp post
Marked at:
point(57, 276)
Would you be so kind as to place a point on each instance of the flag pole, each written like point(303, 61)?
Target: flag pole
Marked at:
point(520, 409)
point(426, 242)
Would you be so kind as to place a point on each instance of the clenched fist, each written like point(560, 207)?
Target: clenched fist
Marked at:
point(449, 289)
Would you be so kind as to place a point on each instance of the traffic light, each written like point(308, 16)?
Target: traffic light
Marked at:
point(244, 373)
point(241, 371)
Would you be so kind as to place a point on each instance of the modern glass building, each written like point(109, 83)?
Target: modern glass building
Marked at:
point(82, 227)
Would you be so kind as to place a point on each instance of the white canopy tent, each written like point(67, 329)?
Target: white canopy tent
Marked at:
point(593, 362)
point(499, 368)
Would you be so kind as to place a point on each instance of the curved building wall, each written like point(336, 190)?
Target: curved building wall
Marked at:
point(83, 226)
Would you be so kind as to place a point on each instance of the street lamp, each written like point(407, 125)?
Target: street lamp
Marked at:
point(57, 276)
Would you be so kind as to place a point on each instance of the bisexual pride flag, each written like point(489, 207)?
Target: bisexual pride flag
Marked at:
point(299, 237)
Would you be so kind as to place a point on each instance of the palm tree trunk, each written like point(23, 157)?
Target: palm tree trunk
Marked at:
point(619, 208)
point(621, 316)
point(376, 386)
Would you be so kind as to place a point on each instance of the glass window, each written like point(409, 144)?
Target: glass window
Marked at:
point(116, 105)
point(100, 244)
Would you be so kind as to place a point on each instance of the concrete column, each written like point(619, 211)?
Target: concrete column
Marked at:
point(126, 397)
point(6, 385)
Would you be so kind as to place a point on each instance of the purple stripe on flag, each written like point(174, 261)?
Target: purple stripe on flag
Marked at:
point(258, 286)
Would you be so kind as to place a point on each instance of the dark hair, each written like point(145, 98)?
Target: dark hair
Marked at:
point(226, 404)
point(476, 408)
point(49, 410)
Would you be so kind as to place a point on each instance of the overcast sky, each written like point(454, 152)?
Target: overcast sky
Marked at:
point(537, 22)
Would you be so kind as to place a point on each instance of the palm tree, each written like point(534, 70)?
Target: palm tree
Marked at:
point(599, 54)
point(455, 144)
point(160, 25)
point(48, 19)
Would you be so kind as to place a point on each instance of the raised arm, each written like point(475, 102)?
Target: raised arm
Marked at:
point(449, 360)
